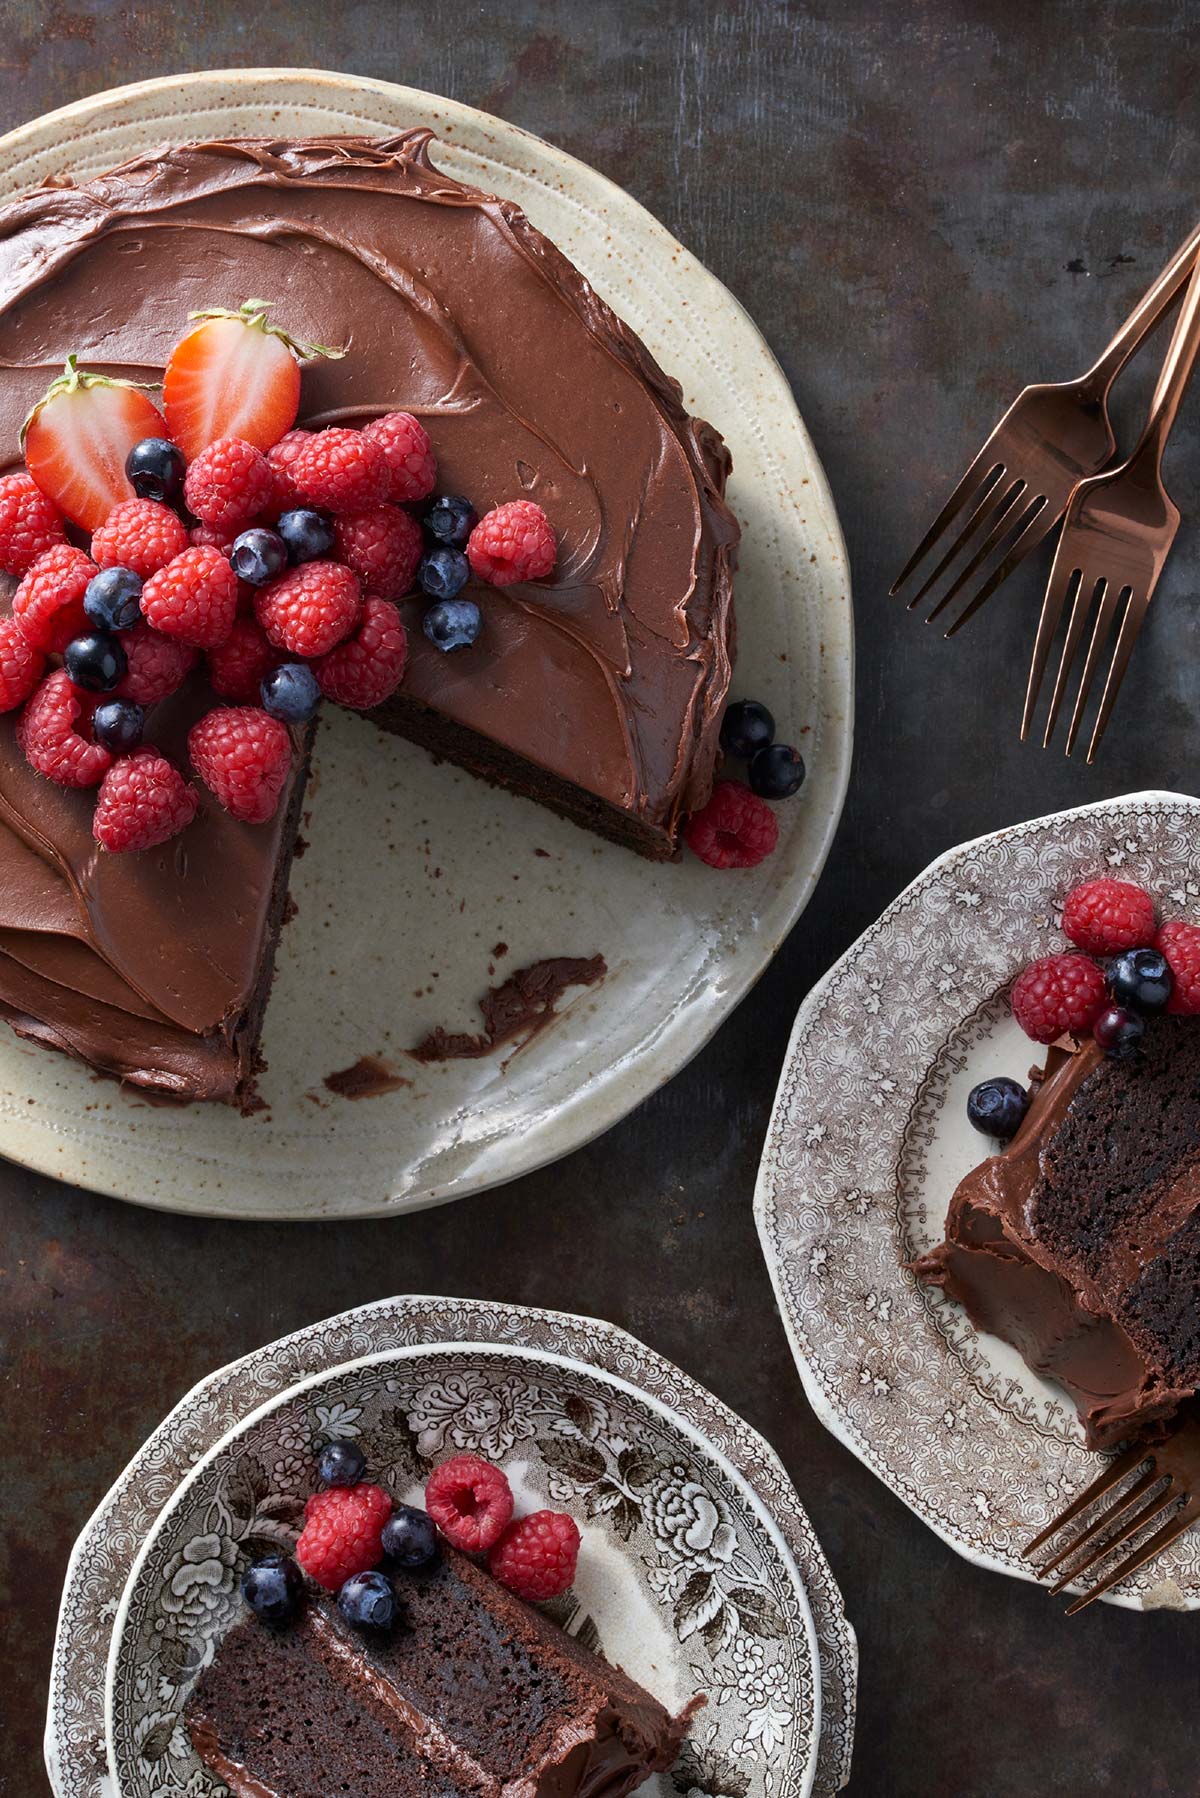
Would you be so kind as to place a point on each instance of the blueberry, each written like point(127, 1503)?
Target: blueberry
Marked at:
point(155, 469)
point(997, 1106)
point(96, 662)
point(308, 535)
point(1141, 978)
point(443, 573)
point(454, 624)
point(746, 728)
point(118, 724)
point(367, 1599)
point(1119, 1032)
point(409, 1537)
point(273, 1588)
point(451, 519)
point(290, 692)
point(341, 1464)
point(777, 771)
point(258, 556)
point(112, 599)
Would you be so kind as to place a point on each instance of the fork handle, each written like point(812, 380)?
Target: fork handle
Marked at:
point(1176, 372)
point(1148, 312)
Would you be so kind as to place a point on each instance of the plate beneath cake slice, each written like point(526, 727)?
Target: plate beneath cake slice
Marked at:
point(868, 1140)
point(419, 888)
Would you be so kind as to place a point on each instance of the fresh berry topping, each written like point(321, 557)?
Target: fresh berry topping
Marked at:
point(409, 1537)
point(95, 662)
point(746, 728)
point(30, 524)
point(997, 1107)
point(194, 598)
point(158, 666)
point(1119, 1032)
point(21, 665)
point(291, 692)
point(537, 1555)
point(244, 757)
point(77, 440)
point(451, 519)
point(229, 483)
point(48, 604)
point(736, 829)
point(444, 572)
point(512, 543)
point(141, 534)
point(113, 599)
point(1105, 916)
point(237, 667)
point(281, 455)
point(214, 536)
point(154, 469)
point(234, 375)
point(1180, 943)
point(311, 608)
point(47, 734)
point(119, 724)
point(258, 556)
point(143, 801)
point(410, 459)
point(367, 1601)
point(470, 1501)
point(273, 1587)
point(368, 667)
point(1060, 994)
point(1141, 978)
point(341, 1464)
point(343, 1526)
point(344, 471)
point(307, 533)
point(383, 547)
point(777, 771)
point(453, 624)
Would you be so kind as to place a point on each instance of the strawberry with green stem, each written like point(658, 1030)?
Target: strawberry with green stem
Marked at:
point(234, 375)
point(77, 437)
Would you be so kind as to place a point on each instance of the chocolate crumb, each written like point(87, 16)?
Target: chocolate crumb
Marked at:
point(370, 1076)
point(521, 1007)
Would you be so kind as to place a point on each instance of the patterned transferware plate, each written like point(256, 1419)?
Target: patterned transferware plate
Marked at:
point(867, 1141)
point(100, 1564)
point(683, 1578)
point(462, 865)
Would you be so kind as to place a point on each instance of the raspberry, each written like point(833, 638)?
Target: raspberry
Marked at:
point(383, 547)
point(735, 829)
point(1059, 994)
point(243, 756)
point(194, 598)
point(311, 608)
point(140, 534)
point(281, 456)
point(368, 667)
point(157, 667)
point(48, 605)
point(46, 733)
point(213, 536)
point(21, 665)
point(344, 471)
point(514, 542)
point(343, 1526)
point(1180, 943)
point(30, 524)
point(470, 1501)
point(537, 1555)
point(411, 463)
point(143, 801)
point(237, 667)
point(228, 483)
point(1106, 916)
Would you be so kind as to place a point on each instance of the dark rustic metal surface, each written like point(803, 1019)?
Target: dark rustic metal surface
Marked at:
point(922, 205)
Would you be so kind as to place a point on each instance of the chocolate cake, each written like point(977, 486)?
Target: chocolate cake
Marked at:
point(1080, 1243)
point(473, 1693)
point(597, 692)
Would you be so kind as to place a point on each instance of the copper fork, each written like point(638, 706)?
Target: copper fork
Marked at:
point(1016, 490)
point(1168, 1481)
point(1119, 529)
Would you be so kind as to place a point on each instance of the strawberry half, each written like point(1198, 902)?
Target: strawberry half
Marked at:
point(76, 440)
point(234, 376)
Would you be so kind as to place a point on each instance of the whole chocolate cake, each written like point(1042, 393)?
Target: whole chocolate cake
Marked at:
point(1080, 1243)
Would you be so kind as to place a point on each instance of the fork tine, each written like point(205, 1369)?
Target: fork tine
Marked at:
point(980, 470)
point(1105, 1481)
point(1106, 611)
point(1106, 1518)
point(1085, 594)
point(1037, 523)
point(1062, 574)
point(1161, 1539)
point(989, 513)
point(1131, 624)
point(1005, 522)
point(1156, 1502)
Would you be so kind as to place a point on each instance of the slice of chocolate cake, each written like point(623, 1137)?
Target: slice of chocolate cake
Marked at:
point(472, 1693)
point(1080, 1244)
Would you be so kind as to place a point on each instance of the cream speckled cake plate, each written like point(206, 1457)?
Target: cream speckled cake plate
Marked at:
point(415, 872)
